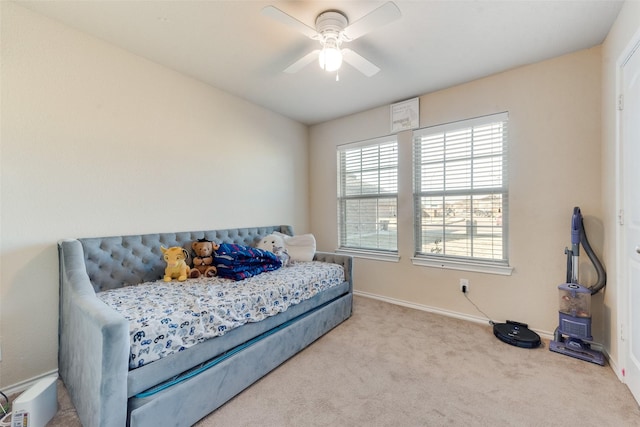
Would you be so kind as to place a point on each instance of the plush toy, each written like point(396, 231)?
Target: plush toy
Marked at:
point(274, 243)
point(300, 248)
point(203, 258)
point(176, 259)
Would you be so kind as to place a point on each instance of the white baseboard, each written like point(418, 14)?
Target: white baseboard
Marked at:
point(614, 366)
point(23, 385)
point(475, 319)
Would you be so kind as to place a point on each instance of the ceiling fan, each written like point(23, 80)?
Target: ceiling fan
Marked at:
point(332, 29)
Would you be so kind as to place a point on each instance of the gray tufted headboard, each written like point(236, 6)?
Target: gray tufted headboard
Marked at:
point(113, 262)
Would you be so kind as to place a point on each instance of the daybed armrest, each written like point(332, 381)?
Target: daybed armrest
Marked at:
point(94, 345)
point(345, 261)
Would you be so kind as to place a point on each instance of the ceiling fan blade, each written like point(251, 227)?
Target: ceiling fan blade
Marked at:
point(302, 62)
point(275, 13)
point(383, 15)
point(359, 63)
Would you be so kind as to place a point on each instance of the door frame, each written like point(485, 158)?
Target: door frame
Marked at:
point(624, 316)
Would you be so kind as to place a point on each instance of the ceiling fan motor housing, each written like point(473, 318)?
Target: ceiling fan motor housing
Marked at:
point(331, 23)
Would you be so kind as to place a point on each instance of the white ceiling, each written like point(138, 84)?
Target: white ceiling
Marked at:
point(434, 45)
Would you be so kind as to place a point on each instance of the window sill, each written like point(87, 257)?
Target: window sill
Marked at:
point(466, 265)
point(378, 256)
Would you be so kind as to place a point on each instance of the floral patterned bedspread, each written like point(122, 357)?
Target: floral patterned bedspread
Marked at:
point(167, 317)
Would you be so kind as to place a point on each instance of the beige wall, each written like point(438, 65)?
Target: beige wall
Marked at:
point(625, 31)
point(96, 141)
point(554, 143)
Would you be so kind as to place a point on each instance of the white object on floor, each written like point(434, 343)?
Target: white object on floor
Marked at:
point(36, 406)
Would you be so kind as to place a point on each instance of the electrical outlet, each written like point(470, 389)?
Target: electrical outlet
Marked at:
point(464, 285)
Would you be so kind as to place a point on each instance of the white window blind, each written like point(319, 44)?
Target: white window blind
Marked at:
point(461, 191)
point(368, 195)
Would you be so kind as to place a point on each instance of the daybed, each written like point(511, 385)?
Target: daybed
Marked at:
point(182, 387)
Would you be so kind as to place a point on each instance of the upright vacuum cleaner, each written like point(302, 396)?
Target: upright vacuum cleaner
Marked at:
point(573, 335)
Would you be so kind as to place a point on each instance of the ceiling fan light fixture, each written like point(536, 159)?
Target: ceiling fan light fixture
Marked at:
point(330, 58)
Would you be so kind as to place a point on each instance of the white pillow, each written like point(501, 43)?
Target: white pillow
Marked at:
point(300, 248)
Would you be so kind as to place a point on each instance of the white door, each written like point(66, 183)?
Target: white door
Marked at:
point(630, 126)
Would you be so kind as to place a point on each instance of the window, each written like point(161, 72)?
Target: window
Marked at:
point(368, 195)
point(460, 193)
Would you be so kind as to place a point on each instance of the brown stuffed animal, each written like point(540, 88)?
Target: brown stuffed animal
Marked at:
point(203, 259)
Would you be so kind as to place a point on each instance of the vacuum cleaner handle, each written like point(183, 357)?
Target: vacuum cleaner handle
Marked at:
point(576, 226)
point(573, 256)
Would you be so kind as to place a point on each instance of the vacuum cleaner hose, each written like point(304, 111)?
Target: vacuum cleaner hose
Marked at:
point(602, 274)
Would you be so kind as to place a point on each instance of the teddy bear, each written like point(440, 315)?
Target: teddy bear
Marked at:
point(203, 250)
point(176, 259)
point(274, 243)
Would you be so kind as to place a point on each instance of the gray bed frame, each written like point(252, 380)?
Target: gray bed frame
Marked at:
point(94, 339)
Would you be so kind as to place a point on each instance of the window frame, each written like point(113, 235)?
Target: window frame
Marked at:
point(343, 198)
point(450, 261)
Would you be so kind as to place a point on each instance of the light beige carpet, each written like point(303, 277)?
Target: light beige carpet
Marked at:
point(394, 366)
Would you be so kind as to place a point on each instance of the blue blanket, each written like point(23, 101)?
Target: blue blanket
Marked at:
point(238, 262)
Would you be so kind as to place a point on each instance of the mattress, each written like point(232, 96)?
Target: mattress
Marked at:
point(168, 317)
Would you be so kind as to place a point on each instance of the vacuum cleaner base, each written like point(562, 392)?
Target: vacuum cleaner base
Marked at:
point(577, 348)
